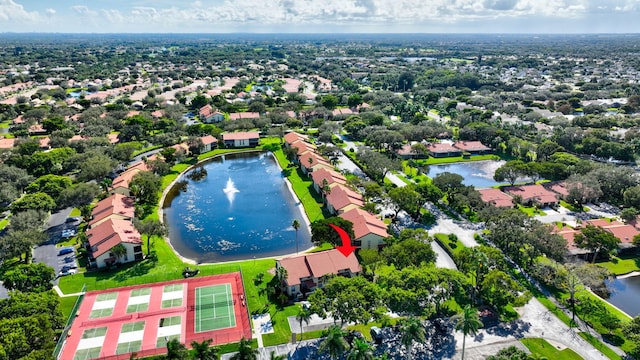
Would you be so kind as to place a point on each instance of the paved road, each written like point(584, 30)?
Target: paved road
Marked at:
point(138, 158)
point(48, 253)
point(535, 322)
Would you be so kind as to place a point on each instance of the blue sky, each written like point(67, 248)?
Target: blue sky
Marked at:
point(321, 16)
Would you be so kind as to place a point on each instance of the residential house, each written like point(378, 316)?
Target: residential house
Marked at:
point(120, 184)
point(7, 143)
point(369, 231)
point(208, 115)
point(496, 197)
point(104, 237)
point(472, 147)
point(341, 199)
point(116, 206)
point(624, 232)
point(244, 115)
point(294, 136)
point(311, 160)
point(407, 152)
point(307, 272)
point(208, 143)
point(241, 139)
point(535, 194)
point(442, 150)
point(329, 176)
point(301, 146)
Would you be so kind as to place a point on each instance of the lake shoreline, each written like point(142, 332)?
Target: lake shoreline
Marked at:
point(298, 206)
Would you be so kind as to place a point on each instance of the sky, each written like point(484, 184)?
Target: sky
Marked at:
point(320, 16)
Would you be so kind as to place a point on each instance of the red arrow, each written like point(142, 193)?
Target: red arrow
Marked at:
point(346, 249)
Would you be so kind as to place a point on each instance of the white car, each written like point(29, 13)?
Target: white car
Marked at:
point(68, 272)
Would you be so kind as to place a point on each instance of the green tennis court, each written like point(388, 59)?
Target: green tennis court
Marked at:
point(214, 308)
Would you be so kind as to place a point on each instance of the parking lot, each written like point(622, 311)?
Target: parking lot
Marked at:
point(60, 227)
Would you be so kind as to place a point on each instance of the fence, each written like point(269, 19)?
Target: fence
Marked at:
point(63, 336)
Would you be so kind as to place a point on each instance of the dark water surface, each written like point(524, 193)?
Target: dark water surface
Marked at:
point(241, 209)
point(625, 294)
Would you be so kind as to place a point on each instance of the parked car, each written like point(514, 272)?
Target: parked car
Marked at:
point(67, 233)
point(70, 259)
point(65, 251)
point(68, 272)
point(75, 219)
point(68, 267)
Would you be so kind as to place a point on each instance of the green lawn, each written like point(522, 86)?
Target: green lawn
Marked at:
point(600, 346)
point(5, 124)
point(66, 305)
point(542, 347)
point(453, 247)
point(165, 265)
point(75, 212)
point(530, 210)
point(453, 159)
point(4, 222)
point(622, 265)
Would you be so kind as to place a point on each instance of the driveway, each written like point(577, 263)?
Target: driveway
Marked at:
point(535, 322)
point(553, 216)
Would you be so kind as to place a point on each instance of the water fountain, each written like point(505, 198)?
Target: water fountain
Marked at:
point(240, 210)
point(230, 190)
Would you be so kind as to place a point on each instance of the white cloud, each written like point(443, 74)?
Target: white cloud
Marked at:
point(12, 11)
point(83, 10)
point(321, 15)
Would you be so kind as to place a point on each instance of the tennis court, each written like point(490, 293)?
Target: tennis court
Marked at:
point(214, 308)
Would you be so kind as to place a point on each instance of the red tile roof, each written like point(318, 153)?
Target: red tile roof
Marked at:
point(558, 187)
point(241, 135)
point(471, 146)
point(317, 265)
point(209, 139)
point(534, 192)
point(341, 197)
point(331, 176)
point(206, 111)
point(406, 150)
point(365, 223)
point(293, 136)
point(438, 148)
point(244, 115)
point(7, 143)
point(496, 197)
point(113, 138)
point(110, 233)
point(309, 154)
point(302, 146)
point(116, 204)
point(124, 179)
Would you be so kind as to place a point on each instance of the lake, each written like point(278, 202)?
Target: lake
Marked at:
point(238, 208)
point(625, 294)
point(476, 173)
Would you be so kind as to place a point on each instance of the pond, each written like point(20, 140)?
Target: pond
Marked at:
point(234, 207)
point(625, 293)
point(476, 173)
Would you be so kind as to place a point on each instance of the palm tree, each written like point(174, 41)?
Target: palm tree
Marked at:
point(119, 251)
point(245, 351)
point(176, 350)
point(468, 321)
point(296, 225)
point(281, 275)
point(361, 350)
point(303, 315)
point(204, 351)
point(411, 329)
point(334, 342)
